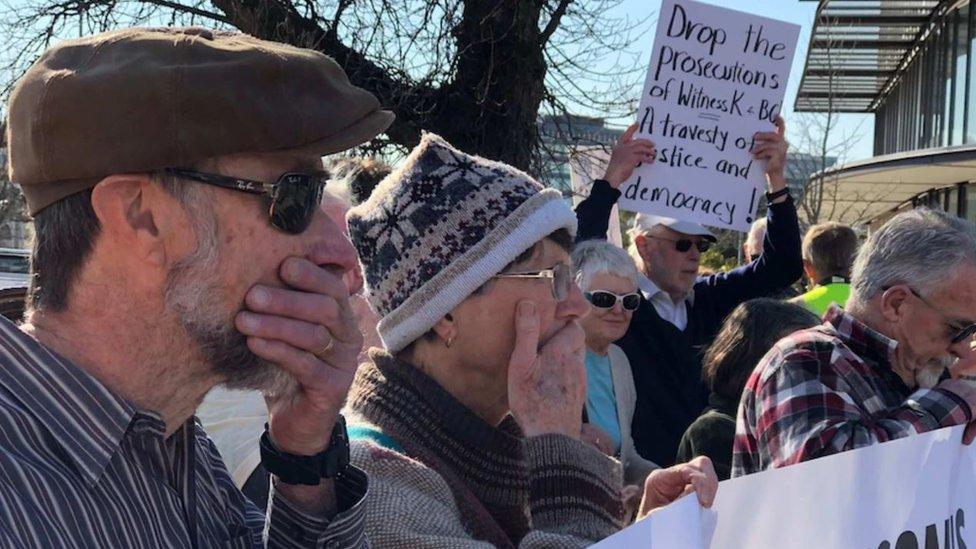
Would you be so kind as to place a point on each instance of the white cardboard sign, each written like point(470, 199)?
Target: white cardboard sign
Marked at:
point(587, 164)
point(717, 76)
point(913, 493)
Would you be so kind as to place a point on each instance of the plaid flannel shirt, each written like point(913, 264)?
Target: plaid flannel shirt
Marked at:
point(831, 388)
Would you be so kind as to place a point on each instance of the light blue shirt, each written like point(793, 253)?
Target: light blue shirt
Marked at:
point(601, 402)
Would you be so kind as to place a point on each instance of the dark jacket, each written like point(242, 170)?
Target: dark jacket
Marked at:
point(666, 362)
point(712, 435)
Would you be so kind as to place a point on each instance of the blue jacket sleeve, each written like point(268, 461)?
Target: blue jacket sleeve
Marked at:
point(593, 213)
point(778, 266)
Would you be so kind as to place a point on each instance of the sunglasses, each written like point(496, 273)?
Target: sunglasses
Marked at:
point(684, 244)
point(560, 276)
point(294, 197)
point(606, 300)
point(962, 332)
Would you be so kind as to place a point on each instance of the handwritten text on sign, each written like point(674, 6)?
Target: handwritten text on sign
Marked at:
point(716, 77)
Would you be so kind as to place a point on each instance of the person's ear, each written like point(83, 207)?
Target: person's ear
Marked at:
point(895, 303)
point(808, 270)
point(446, 329)
point(132, 209)
point(641, 242)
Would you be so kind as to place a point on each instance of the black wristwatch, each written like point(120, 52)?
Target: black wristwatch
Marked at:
point(308, 470)
point(773, 196)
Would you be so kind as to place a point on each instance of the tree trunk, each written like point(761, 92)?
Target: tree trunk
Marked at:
point(489, 108)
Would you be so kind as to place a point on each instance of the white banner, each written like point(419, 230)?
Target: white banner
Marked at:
point(716, 77)
point(585, 165)
point(911, 493)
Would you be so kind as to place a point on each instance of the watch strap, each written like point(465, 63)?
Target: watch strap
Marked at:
point(307, 470)
point(770, 196)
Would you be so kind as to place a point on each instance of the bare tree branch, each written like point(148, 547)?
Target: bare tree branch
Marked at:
point(557, 15)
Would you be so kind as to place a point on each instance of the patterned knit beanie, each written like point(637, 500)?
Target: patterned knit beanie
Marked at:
point(439, 227)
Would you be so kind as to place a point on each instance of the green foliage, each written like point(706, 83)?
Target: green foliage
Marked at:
point(716, 261)
point(724, 254)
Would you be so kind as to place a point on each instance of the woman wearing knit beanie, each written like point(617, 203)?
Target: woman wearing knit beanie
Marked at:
point(468, 423)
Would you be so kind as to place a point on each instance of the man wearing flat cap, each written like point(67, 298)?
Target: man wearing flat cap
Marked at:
point(174, 177)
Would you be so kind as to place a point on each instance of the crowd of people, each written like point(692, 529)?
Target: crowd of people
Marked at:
point(228, 343)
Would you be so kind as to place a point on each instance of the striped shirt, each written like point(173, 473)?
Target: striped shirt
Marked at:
point(82, 467)
point(830, 389)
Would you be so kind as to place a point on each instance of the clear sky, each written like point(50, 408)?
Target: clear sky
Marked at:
point(794, 11)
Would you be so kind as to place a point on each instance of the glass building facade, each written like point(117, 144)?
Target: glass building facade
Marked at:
point(911, 64)
point(933, 101)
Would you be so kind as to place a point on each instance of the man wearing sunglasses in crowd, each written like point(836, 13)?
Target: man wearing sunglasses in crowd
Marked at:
point(680, 312)
point(894, 362)
point(174, 177)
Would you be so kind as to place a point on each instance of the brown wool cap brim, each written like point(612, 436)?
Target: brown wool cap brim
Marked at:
point(137, 100)
point(42, 195)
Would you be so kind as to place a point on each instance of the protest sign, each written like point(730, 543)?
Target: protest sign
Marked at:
point(911, 493)
point(587, 164)
point(716, 77)
point(677, 525)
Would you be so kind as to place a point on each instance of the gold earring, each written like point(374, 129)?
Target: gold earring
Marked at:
point(449, 341)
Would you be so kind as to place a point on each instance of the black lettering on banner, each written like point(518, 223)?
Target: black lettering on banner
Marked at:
point(960, 523)
point(952, 535)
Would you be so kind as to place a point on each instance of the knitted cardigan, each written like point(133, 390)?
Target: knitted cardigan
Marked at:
point(442, 477)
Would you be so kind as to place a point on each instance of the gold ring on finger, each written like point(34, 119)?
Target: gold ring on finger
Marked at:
point(325, 348)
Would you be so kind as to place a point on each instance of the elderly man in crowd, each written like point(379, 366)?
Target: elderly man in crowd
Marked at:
point(179, 245)
point(854, 380)
point(680, 313)
point(753, 246)
point(234, 419)
point(828, 253)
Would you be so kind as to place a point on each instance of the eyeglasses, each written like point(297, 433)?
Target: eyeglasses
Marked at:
point(560, 275)
point(606, 300)
point(294, 196)
point(962, 333)
point(684, 244)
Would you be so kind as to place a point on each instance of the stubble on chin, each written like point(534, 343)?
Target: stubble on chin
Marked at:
point(194, 297)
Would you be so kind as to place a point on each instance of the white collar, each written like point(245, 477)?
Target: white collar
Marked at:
point(650, 290)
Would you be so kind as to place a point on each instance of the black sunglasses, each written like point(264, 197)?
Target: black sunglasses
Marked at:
point(684, 244)
point(606, 300)
point(962, 333)
point(294, 196)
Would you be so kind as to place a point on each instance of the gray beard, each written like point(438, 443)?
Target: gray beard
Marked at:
point(193, 297)
point(928, 376)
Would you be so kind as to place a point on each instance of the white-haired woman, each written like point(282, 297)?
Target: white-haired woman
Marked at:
point(608, 278)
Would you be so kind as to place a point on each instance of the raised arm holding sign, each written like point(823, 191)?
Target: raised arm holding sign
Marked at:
point(681, 313)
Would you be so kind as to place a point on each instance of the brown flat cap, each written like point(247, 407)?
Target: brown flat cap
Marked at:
point(142, 99)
